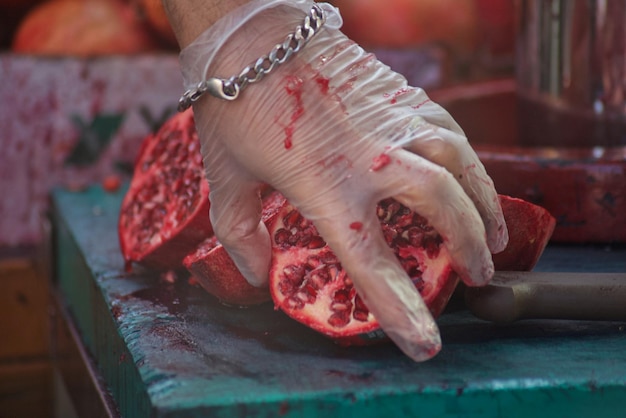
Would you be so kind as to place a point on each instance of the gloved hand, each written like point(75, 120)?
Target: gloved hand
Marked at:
point(312, 128)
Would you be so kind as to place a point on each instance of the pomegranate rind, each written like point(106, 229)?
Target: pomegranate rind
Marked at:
point(436, 283)
point(530, 229)
point(165, 212)
point(216, 272)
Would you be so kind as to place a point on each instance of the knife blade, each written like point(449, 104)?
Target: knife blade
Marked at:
point(514, 295)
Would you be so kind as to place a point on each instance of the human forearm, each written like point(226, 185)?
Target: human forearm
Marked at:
point(189, 18)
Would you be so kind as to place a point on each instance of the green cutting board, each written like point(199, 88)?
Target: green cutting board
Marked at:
point(170, 350)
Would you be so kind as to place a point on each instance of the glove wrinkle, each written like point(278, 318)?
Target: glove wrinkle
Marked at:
point(336, 131)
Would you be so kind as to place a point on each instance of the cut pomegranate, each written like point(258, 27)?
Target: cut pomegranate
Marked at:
point(213, 268)
point(530, 228)
point(165, 213)
point(308, 283)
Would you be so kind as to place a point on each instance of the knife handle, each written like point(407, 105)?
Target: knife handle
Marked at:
point(512, 296)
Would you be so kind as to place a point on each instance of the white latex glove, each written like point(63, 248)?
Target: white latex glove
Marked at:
point(315, 129)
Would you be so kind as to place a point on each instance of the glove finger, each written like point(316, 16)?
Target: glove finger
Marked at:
point(433, 192)
point(453, 151)
point(379, 278)
point(236, 217)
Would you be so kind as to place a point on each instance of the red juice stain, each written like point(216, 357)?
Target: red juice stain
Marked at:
point(111, 183)
point(294, 89)
point(357, 226)
point(284, 408)
point(288, 137)
point(171, 296)
point(417, 106)
point(116, 311)
point(128, 266)
point(379, 162)
point(394, 97)
point(323, 84)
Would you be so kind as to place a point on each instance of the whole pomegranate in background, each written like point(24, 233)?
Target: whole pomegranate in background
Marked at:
point(165, 212)
point(82, 28)
point(409, 23)
point(154, 13)
point(11, 13)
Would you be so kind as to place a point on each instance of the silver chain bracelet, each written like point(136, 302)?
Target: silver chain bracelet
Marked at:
point(229, 89)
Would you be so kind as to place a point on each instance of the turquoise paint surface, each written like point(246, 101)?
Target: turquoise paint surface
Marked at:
point(170, 350)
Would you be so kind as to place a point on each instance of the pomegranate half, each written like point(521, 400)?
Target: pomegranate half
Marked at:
point(308, 283)
point(165, 212)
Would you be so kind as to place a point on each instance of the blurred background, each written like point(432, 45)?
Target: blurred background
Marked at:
point(539, 86)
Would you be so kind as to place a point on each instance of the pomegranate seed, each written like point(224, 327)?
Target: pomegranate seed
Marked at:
point(294, 237)
point(359, 304)
point(401, 242)
point(312, 262)
point(432, 244)
point(342, 296)
point(304, 240)
point(111, 183)
point(294, 273)
point(338, 306)
point(292, 219)
point(403, 220)
point(281, 237)
point(339, 320)
point(392, 208)
point(308, 294)
point(415, 236)
point(294, 302)
point(286, 287)
point(329, 258)
point(318, 278)
point(316, 242)
point(360, 315)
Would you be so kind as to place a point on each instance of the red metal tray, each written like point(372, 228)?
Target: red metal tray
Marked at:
point(583, 188)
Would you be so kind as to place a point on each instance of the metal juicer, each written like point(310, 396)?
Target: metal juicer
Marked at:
point(571, 72)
